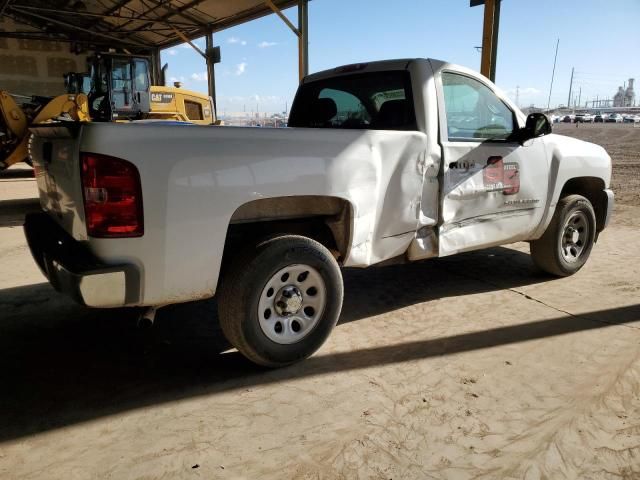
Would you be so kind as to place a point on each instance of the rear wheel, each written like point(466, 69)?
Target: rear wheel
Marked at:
point(280, 300)
point(566, 244)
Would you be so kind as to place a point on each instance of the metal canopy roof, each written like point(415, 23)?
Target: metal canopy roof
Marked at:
point(130, 24)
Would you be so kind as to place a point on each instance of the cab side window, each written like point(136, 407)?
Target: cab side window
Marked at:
point(473, 111)
point(142, 76)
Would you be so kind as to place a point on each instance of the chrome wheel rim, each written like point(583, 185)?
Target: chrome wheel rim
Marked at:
point(292, 303)
point(575, 235)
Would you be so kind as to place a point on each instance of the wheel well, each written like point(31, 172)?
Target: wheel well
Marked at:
point(324, 219)
point(592, 188)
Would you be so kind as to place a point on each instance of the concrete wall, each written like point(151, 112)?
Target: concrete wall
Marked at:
point(35, 67)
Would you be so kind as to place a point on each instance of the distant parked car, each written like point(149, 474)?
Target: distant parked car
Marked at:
point(567, 119)
point(631, 119)
point(600, 118)
point(614, 118)
point(583, 118)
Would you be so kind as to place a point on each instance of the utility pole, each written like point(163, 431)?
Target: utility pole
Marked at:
point(570, 88)
point(580, 97)
point(553, 74)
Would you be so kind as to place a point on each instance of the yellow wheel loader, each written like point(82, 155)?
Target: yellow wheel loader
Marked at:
point(14, 122)
point(118, 87)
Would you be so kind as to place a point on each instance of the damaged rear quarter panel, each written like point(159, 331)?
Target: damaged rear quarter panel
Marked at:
point(197, 177)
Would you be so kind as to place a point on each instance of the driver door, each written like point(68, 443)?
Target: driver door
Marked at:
point(493, 188)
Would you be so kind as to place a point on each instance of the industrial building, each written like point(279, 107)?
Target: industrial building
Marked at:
point(625, 97)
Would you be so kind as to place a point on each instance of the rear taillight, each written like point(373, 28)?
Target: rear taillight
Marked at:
point(112, 197)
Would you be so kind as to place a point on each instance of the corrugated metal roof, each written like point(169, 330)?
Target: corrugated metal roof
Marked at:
point(132, 24)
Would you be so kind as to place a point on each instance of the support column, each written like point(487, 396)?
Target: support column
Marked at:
point(489, 36)
point(303, 38)
point(156, 68)
point(211, 74)
point(494, 40)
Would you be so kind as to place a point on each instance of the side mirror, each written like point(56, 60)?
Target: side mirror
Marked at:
point(537, 125)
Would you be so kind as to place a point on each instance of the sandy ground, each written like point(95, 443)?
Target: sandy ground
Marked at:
point(473, 366)
point(622, 142)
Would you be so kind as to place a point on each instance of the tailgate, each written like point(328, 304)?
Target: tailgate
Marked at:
point(54, 150)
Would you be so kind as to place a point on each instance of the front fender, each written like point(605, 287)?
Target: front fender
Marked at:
point(571, 159)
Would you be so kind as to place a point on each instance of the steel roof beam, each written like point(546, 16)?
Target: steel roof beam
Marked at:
point(231, 21)
point(282, 16)
point(78, 28)
point(117, 7)
point(98, 15)
point(180, 11)
point(3, 6)
point(171, 12)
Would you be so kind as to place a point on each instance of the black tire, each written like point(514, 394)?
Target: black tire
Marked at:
point(242, 287)
point(547, 251)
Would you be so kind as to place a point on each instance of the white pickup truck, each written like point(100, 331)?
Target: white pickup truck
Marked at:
point(393, 160)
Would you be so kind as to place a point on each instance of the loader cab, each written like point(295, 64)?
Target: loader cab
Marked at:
point(77, 83)
point(120, 86)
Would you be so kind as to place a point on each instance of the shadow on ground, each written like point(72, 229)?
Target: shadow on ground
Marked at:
point(63, 364)
point(17, 173)
point(12, 212)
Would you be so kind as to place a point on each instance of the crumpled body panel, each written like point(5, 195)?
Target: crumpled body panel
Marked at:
point(195, 178)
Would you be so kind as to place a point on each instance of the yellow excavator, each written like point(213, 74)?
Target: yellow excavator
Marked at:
point(117, 88)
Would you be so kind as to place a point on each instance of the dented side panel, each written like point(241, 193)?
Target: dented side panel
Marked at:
point(493, 193)
point(194, 179)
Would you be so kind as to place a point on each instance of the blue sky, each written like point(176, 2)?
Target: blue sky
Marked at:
point(601, 39)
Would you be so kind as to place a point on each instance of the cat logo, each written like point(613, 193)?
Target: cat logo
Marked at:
point(157, 97)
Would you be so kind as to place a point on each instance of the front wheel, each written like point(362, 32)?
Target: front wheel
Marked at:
point(280, 300)
point(566, 244)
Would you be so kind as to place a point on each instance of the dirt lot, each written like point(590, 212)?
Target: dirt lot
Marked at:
point(622, 142)
point(472, 366)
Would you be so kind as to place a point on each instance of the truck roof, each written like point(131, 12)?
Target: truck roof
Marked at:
point(377, 66)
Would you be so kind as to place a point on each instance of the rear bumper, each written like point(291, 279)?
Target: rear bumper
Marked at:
point(72, 269)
